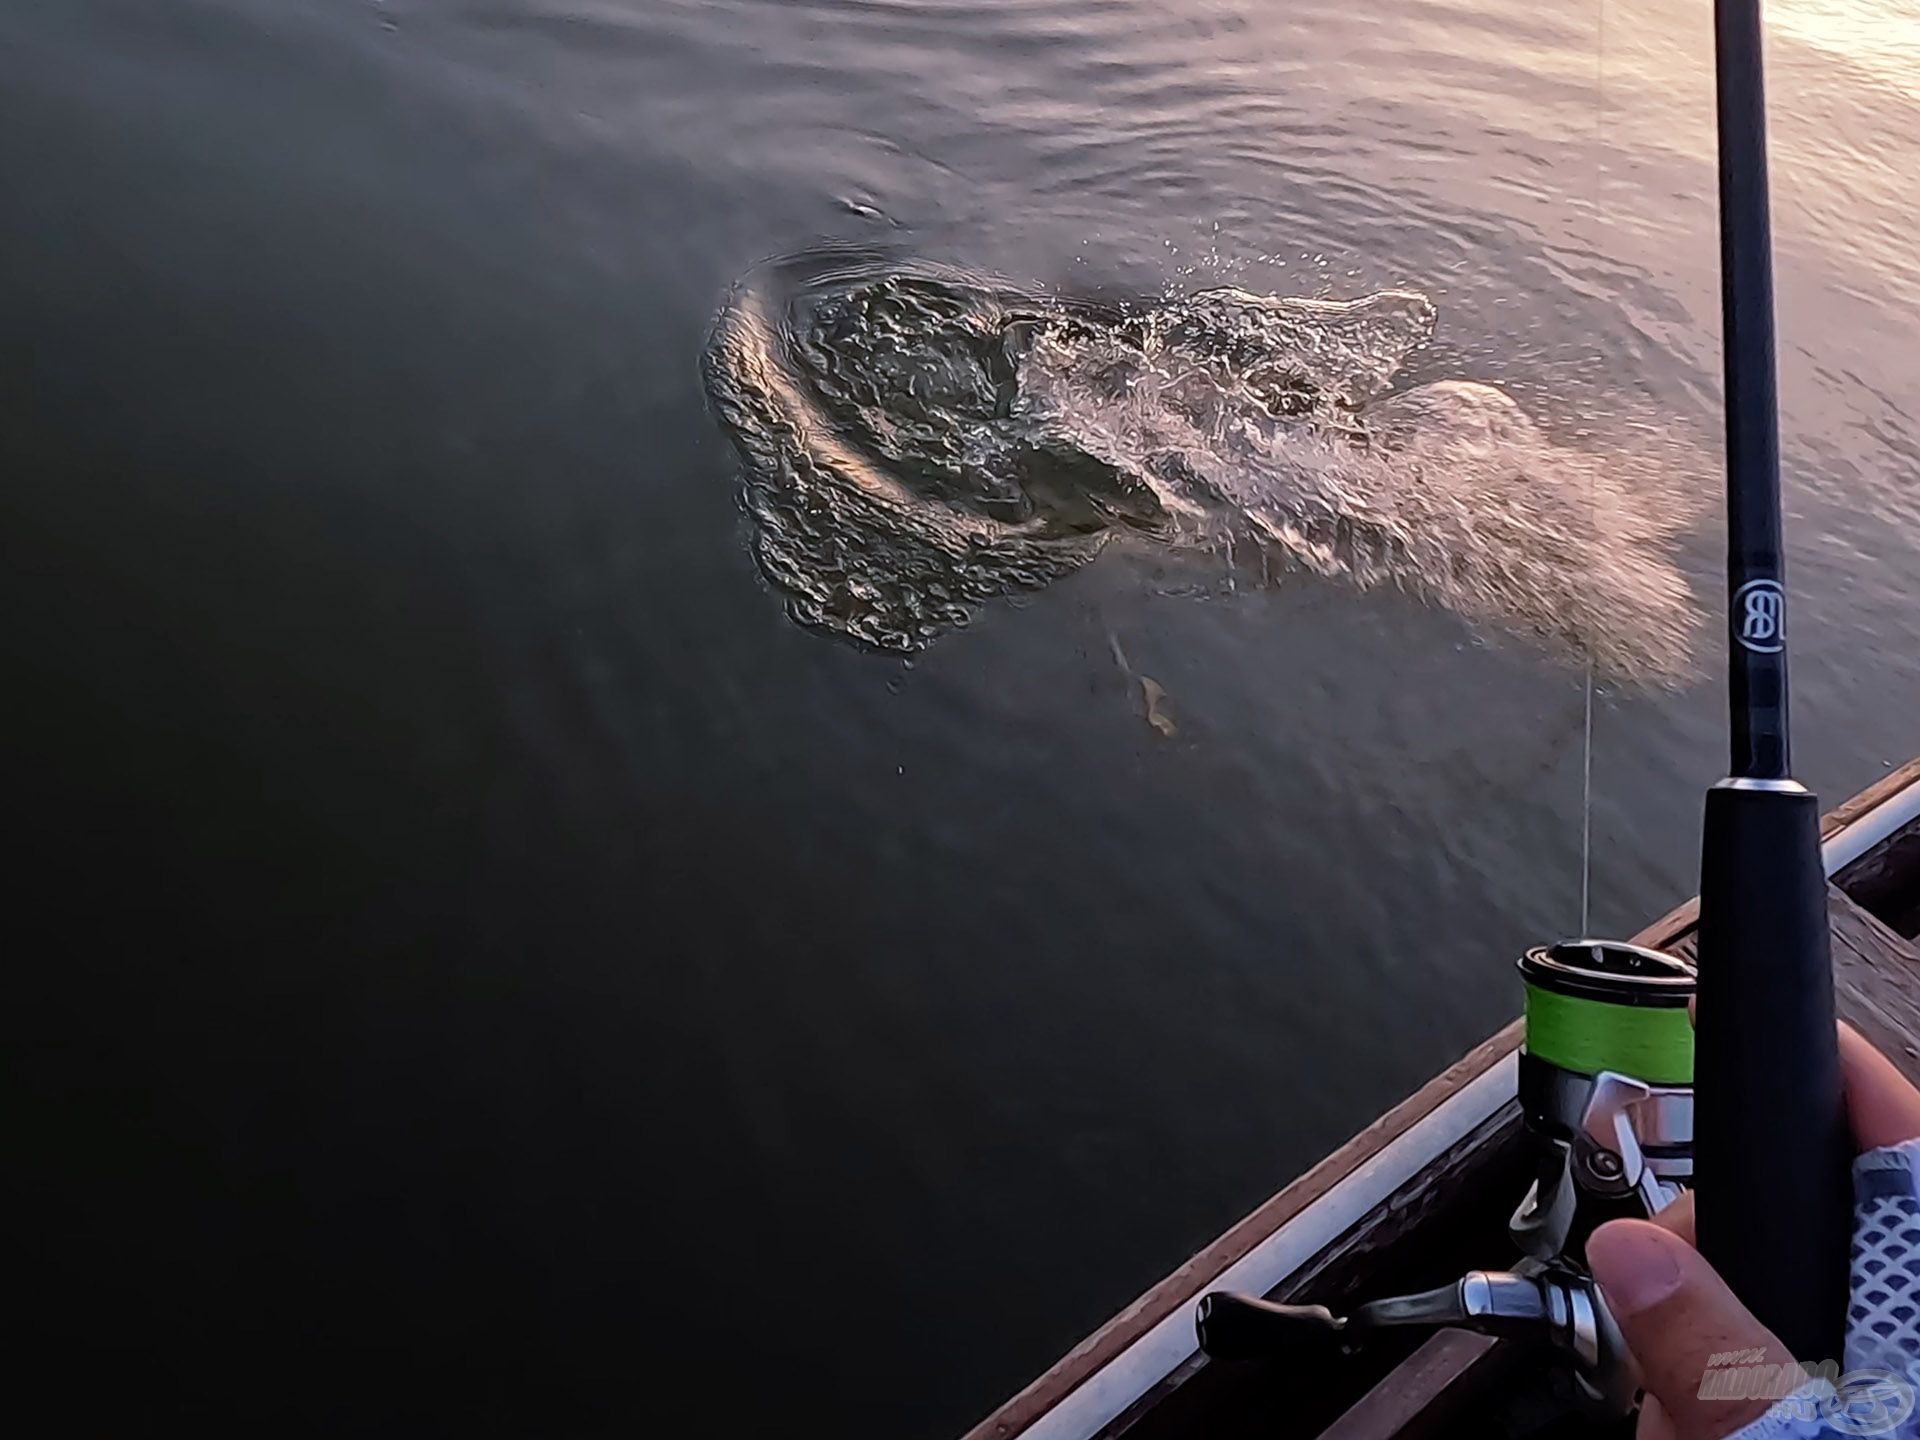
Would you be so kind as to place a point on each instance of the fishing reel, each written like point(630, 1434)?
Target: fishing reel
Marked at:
point(1605, 1086)
point(1606, 1095)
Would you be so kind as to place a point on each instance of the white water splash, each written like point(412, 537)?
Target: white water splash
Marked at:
point(919, 442)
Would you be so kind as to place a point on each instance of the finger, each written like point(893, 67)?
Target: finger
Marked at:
point(1677, 1316)
point(1677, 1219)
point(1881, 1102)
point(1654, 1422)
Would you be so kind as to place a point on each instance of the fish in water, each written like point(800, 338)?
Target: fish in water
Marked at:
point(918, 442)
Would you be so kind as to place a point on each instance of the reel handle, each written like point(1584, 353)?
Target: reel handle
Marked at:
point(1555, 1307)
point(1241, 1327)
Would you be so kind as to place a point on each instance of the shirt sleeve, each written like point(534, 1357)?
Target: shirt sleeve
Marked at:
point(1875, 1393)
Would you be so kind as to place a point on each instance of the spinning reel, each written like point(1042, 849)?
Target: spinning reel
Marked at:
point(1606, 1092)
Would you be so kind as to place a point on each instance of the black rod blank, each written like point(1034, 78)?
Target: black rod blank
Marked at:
point(1772, 1155)
point(1756, 572)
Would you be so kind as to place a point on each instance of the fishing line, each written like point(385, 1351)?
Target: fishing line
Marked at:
point(1599, 1006)
point(1586, 809)
point(1593, 503)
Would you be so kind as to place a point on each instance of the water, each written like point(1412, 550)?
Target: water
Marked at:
point(510, 977)
point(916, 444)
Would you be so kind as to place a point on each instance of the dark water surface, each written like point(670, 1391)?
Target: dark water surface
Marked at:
point(513, 979)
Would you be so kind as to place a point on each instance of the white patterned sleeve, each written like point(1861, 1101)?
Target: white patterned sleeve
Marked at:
point(1875, 1394)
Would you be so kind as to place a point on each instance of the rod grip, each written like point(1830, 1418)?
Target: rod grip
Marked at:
point(1773, 1156)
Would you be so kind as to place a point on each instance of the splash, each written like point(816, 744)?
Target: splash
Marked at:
point(919, 442)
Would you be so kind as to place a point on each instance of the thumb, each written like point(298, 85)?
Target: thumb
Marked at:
point(1681, 1322)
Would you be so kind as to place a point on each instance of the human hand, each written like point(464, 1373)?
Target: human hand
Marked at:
point(1676, 1314)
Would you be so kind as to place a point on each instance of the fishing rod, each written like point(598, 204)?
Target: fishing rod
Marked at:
point(1772, 1157)
point(1623, 1102)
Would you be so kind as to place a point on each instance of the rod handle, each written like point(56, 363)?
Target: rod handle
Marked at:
point(1773, 1155)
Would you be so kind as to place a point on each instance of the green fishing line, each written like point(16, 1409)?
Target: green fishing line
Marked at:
point(1653, 1043)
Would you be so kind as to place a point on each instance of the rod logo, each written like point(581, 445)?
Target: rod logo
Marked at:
point(1760, 616)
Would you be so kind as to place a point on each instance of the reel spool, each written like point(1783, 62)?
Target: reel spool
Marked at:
point(1606, 1080)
